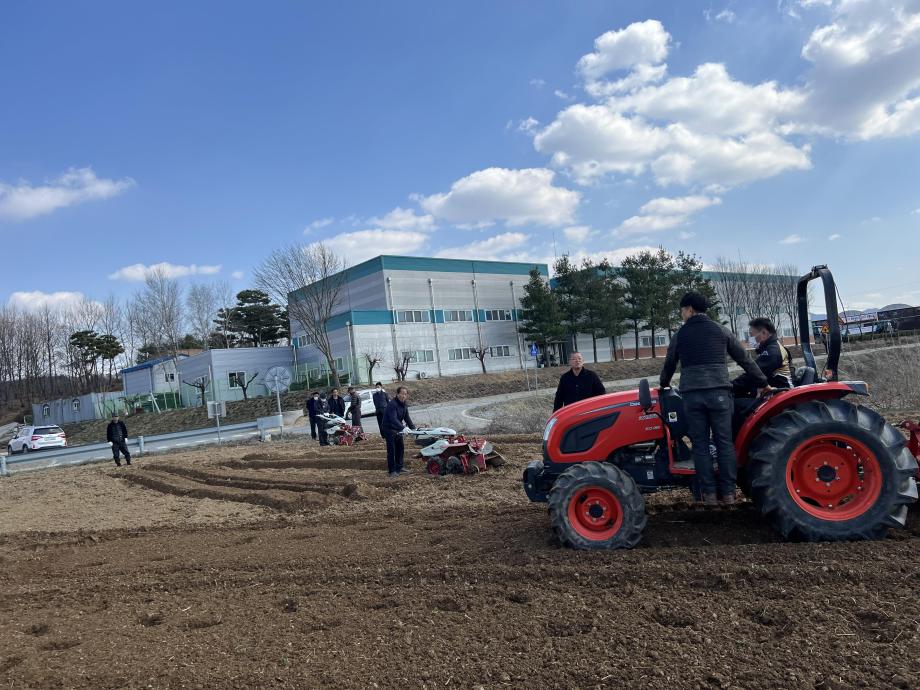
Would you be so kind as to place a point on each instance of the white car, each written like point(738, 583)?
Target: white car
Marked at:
point(31, 438)
point(367, 402)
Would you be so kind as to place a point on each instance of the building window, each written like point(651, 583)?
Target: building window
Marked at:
point(500, 351)
point(660, 340)
point(413, 316)
point(46, 410)
point(237, 379)
point(302, 341)
point(787, 332)
point(170, 377)
point(458, 315)
point(419, 356)
point(75, 404)
point(457, 354)
point(498, 315)
point(340, 364)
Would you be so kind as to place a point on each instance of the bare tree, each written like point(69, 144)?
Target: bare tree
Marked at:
point(162, 306)
point(400, 365)
point(481, 353)
point(225, 299)
point(202, 302)
point(201, 383)
point(309, 280)
point(788, 296)
point(373, 354)
point(244, 385)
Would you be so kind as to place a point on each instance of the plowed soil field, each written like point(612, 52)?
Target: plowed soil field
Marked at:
point(286, 566)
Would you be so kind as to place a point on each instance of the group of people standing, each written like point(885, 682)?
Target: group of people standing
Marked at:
point(392, 417)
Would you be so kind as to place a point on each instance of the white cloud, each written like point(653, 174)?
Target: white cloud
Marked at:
point(664, 213)
point(915, 212)
point(318, 225)
point(834, 237)
point(538, 83)
point(792, 239)
point(35, 300)
point(640, 76)
point(403, 219)
point(237, 275)
point(639, 43)
point(528, 126)
point(22, 201)
point(559, 93)
point(614, 256)
point(138, 272)
point(686, 235)
point(578, 233)
point(516, 197)
point(872, 221)
point(491, 248)
point(355, 247)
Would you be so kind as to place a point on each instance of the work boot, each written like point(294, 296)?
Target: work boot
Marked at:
point(728, 500)
point(393, 475)
point(710, 500)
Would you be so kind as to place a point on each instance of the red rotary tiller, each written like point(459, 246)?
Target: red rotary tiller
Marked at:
point(340, 432)
point(913, 443)
point(447, 452)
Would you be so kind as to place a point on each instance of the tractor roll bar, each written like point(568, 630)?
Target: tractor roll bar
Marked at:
point(833, 319)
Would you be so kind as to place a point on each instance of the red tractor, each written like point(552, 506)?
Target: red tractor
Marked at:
point(816, 465)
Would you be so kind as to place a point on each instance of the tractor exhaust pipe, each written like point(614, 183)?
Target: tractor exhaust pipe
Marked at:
point(834, 342)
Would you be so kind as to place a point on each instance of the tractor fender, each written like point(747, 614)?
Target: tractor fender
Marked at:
point(783, 400)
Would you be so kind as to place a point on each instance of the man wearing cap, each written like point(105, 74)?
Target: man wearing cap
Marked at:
point(117, 436)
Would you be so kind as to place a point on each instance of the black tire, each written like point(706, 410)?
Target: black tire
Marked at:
point(771, 458)
point(569, 488)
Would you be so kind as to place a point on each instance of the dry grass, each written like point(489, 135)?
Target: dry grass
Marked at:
point(893, 377)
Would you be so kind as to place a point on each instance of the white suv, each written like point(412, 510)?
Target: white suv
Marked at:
point(367, 402)
point(37, 437)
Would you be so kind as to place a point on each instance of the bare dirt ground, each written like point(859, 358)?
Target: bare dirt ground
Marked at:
point(286, 566)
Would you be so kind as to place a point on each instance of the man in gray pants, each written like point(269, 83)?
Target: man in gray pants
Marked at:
point(700, 346)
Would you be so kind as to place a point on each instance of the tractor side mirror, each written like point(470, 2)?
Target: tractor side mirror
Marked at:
point(645, 395)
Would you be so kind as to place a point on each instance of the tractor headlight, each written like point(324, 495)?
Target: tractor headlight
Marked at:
point(549, 428)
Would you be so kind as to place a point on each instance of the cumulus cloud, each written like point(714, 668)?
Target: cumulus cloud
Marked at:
point(834, 237)
point(528, 126)
point(36, 300)
point(22, 201)
point(318, 225)
point(792, 239)
point(492, 248)
point(403, 219)
point(515, 197)
point(664, 213)
point(577, 233)
point(139, 272)
point(355, 247)
point(237, 275)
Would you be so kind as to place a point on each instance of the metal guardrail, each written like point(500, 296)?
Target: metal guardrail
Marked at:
point(95, 452)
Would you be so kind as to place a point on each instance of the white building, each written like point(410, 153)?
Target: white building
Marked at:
point(439, 311)
point(227, 371)
point(155, 378)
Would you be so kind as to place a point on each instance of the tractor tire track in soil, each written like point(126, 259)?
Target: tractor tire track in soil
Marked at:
point(453, 582)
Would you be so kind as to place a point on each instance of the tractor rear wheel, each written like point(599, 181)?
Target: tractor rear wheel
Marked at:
point(832, 471)
point(595, 505)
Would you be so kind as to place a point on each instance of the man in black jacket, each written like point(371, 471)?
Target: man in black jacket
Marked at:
point(117, 435)
point(395, 419)
point(577, 383)
point(773, 359)
point(380, 405)
point(354, 406)
point(337, 403)
point(700, 346)
point(322, 407)
point(311, 412)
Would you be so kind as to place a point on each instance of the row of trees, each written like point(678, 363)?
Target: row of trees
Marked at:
point(603, 301)
point(67, 351)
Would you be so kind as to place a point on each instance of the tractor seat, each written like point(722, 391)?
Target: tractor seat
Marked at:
point(804, 376)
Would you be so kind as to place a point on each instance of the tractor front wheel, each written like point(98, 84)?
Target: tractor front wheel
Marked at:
point(832, 471)
point(595, 505)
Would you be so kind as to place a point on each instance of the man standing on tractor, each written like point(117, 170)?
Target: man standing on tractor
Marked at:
point(773, 359)
point(395, 419)
point(577, 383)
point(700, 346)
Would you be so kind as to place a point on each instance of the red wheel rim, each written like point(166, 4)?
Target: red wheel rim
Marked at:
point(834, 477)
point(434, 467)
point(595, 513)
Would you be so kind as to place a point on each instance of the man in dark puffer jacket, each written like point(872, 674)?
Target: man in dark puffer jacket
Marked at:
point(700, 346)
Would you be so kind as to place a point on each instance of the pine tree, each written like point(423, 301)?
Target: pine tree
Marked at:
point(541, 322)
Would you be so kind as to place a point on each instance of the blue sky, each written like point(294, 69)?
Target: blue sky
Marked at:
point(203, 135)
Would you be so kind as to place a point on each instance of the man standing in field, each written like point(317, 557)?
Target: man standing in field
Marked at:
point(395, 419)
point(380, 405)
point(577, 383)
point(312, 404)
point(354, 407)
point(117, 436)
point(337, 403)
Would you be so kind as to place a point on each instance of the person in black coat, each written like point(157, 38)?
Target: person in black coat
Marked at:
point(117, 435)
point(395, 419)
point(380, 405)
point(337, 403)
point(577, 383)
point(322, 407)
point(354, 407)
point(311, 412)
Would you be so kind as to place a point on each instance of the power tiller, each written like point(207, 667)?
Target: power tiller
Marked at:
point(447, 452)
point(340, 432)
